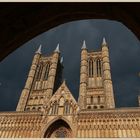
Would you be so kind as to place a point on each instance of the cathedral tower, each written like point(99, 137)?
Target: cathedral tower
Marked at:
point(96, 90)
point(42, 82)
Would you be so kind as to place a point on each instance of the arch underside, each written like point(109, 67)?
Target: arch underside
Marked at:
point(21, 29)
point(58, 129)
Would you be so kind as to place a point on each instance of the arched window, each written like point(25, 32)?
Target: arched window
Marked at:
point(47, 68)
point(98, 65)
point(33, 108)
point(101, 106)
point(90, 67)
point(27, 108)
point(39, 108)
point(36, 98)
point(89, 107)
point(39, 71)
point(98, 99)
point(59, 129)
point(67, 108)
point(55, 108)
point(91, 99)
point(95, 107)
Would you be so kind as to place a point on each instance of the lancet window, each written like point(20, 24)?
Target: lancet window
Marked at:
point(55, 108)
point(47, 67)
point(67, 108)
point(91, 99)
point(98, 99)
point(90, 67)
point(98, 66)
point(39, 71)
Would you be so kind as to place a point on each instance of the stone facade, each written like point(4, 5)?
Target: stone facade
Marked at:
point(47, 108)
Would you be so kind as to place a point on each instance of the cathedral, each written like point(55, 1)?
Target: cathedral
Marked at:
point(47, 108)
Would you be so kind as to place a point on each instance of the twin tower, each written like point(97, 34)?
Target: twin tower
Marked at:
point(44, 78)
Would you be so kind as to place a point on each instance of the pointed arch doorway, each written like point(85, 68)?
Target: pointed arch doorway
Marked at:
point(58, 129)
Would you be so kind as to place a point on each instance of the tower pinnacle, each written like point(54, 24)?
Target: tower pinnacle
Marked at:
point(57, 48)
point(104, 41)
point(84, 45)
point(39, 49)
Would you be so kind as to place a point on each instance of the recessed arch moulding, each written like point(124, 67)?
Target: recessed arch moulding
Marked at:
point(58, 127)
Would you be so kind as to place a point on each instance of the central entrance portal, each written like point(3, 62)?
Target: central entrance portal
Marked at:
point(59, 129)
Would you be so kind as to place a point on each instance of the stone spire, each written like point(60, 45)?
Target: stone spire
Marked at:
point(84, 45)
point(104, 41)
point(39, 49)
point(57, 49)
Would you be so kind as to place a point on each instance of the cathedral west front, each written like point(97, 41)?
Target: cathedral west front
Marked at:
point(47, 108)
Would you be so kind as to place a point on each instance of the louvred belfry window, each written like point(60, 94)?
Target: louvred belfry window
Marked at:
point(98, 66)
point(47, 68)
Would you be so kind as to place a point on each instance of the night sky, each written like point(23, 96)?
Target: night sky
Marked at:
point(124, 50)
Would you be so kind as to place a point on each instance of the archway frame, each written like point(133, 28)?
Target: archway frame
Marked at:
point(46, 126)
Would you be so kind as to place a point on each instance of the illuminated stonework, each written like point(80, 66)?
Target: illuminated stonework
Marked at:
point(47, 108)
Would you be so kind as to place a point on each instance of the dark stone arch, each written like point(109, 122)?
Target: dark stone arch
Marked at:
point(21, 22)
point(59, 129)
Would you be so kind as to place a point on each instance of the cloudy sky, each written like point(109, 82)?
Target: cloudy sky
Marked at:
point(124, 57)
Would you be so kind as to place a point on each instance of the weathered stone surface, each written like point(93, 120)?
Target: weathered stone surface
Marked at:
point(40, 113)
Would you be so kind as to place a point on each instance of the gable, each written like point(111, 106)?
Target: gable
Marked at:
point(62, 102)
